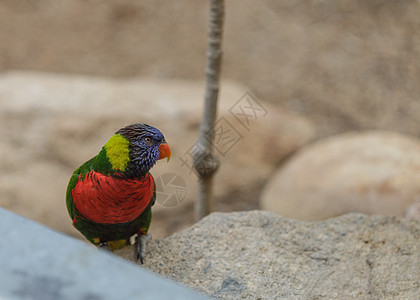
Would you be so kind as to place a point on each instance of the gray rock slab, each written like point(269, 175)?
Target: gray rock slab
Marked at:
point(261, 255)
point(38, 263)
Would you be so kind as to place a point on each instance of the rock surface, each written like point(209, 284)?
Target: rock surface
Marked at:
point(51, 123)
point(260, 255)
point(373, 172)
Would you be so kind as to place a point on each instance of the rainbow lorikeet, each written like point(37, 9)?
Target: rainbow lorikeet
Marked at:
point(109, 197)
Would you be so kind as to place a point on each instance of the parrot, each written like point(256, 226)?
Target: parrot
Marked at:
point(109, 197)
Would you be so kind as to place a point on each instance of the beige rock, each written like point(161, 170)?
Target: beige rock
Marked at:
point(53, 123)
point(373, 172)
point(261, 255)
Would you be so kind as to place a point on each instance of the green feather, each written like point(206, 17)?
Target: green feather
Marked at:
point(101, 163)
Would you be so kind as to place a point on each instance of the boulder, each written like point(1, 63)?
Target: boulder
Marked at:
point(260, 255)
point(373, 172)
point(53, 123)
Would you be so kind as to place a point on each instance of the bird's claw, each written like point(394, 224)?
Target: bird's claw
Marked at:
point(104, 246)
point(140, 246)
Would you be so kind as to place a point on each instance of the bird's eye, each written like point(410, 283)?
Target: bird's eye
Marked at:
point(147, 140)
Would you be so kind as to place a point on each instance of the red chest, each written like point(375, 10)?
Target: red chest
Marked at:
point(106, 199)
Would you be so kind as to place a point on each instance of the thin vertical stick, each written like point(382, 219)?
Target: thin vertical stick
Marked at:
point(204, 162)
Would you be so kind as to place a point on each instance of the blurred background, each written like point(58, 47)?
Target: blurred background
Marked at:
point(338, 82)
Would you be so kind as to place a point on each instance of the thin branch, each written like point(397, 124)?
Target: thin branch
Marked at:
point(205, 162)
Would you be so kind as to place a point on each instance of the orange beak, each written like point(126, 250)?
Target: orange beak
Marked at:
point(164, 151)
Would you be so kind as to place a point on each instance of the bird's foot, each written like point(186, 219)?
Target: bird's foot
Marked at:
point(104, 246)
point(140, 246)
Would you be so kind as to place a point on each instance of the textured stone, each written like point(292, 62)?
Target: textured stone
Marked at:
point(372, 172)
point(260, 255)
point(41, 264)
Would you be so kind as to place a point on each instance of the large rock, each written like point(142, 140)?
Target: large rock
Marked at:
point(370, 172)
point(52, 123)
point(260, 255)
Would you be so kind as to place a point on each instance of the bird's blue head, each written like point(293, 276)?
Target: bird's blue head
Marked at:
point(146, 145)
